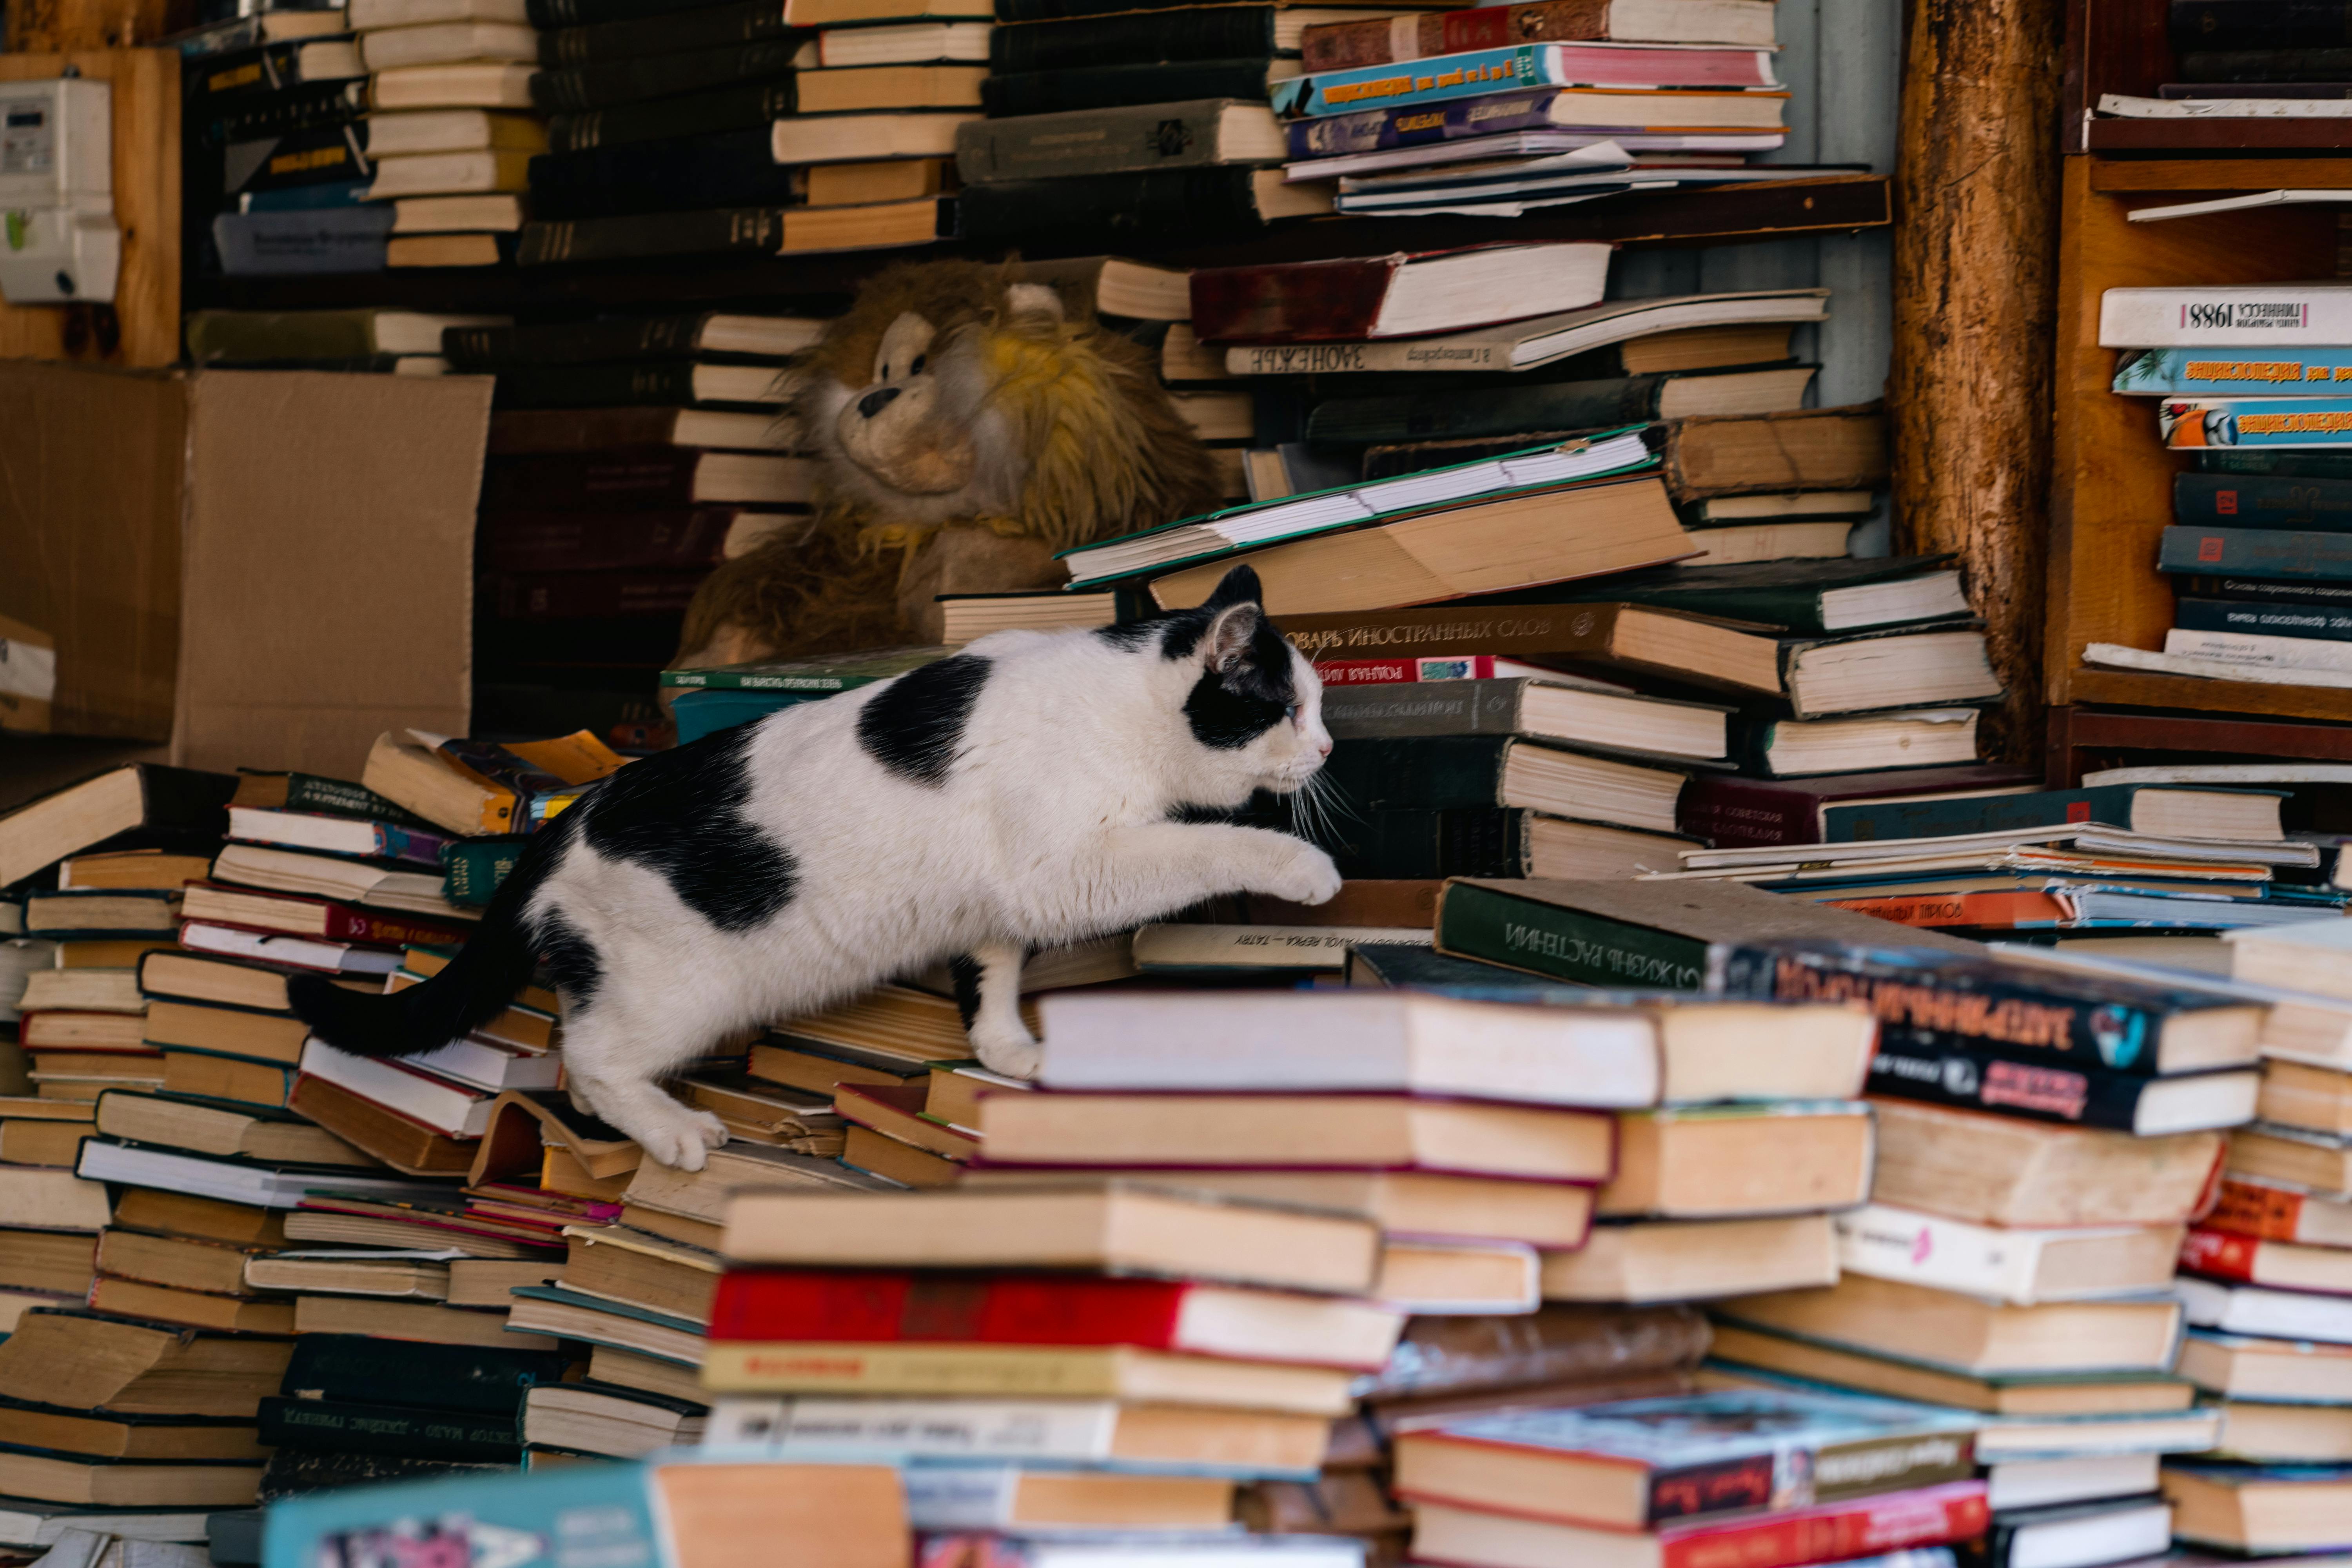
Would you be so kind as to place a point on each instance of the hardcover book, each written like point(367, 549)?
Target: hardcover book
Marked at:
point(1716, 76)
point(1400, 295)
point(1380, 40)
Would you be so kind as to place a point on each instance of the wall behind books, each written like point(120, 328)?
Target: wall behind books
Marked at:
point(1842, 61)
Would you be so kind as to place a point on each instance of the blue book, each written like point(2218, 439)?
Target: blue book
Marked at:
point(277, 244)
point(2260, 423)
point(2261, 370)
point(620, 1515)
point(309, 198)
point(1476, 73)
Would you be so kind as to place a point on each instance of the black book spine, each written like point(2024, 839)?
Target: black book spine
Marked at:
point(2267, 591)
point(580, 343)
point(1419, 846)
point(658, 75)
point(2262, 500)
point(733, 169)
point(1426, 772)
point(696, 114)
point(596, 387)
point(2247, 618)
point(758, 230)
point(318, 157)
point(712, 29)
point(1206, 33)
point(2203, 25)
point(2222, 66)
point(2286, 465)
point(1061, 10)
point(309, 107)
point(458, 1377)
point(1504, 411)
point(647, 478)
point(356, 1428)
point(550, 14)
point(292, 1472)
point(1004, 94)
point(2007, 1085)
point(1163, 204)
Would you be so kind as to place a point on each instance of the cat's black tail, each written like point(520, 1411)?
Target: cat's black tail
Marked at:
point(476, 986)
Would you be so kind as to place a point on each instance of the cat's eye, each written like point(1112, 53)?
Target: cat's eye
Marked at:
point(1291, 711)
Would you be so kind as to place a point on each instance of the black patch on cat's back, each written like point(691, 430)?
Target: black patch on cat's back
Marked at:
point(914, 726)
point(1228, 712)
point(964, 972)
point(680, 814)
point(1128, 634)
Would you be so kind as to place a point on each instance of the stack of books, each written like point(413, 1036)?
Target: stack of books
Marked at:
point(82, 1022)
point(2244, 62)
point(449, 133)
point(1502, 108)
point(1038, 1357)
point(627, 458)
point(2258, 551)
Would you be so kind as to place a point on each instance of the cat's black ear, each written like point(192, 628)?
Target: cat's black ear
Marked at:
point(1240, 586)
point(1226, 645)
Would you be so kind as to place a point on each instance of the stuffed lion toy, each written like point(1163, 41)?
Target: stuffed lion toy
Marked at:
point(966, 425)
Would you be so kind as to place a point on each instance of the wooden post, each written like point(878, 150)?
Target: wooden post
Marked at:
point(141, 327)
point(1976, 241)
point(59, 26)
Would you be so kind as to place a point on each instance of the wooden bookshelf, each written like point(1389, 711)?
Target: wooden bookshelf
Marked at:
point(2123, 45)
point(2111, 488)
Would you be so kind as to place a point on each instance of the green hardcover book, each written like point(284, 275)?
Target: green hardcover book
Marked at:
point(366, 1427)
point(473, 868)
point(1651, 934)
point(310, 792)
point(807, 674)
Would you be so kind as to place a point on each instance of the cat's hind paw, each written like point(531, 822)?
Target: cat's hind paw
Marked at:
point(1014, 1055)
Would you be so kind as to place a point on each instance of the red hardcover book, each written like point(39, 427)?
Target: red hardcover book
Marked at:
point(2279, 1265)
point(1860, 1527)
point(2020, 909)
point(879, 1307)
point(602, 541)
point(1338, 45)
point(1395, 296)
point(1729, 811)
point(245, 909)
point(574, 595)
point(2267, 1213)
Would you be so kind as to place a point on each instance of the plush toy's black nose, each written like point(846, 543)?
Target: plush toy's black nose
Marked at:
point(876, 401)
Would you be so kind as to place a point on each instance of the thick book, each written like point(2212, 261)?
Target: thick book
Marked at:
point(292, 244)
point(658, 75)
point(530, 541)
point(2026, 1266)
point(530, 432)
point(1381, 40)
point(1201, 133)
point(1542, 109)
point(2260, 619)
point(2157, 809)
point(647, 478)
point(2266, 591)
point(2255, 423)
point(1698, 1458)
point(1075, 88)
point(1801, 597)
point(1397, 295)
point(736, 230)
point(1655, 934)
point(2229, 500)
point(2255, 371)
point(1496, 412)
point(1825, 1532)
point(714, 334)
point(1716, 74)
point(714, 110)
point(780, 1306)
point(2110, 1529)
point(2259, 552)
point(1934, 1001)
point(2021, 1081)
point(1185, 32)
point(1409, 843)
point(421, 1432)
point(136, 805)
point(550, 14)
point(713, 27)
point(244, 77)
point(645, 383)
point(1402, 723)
point(729, 169)
point(1729, 810)
point(1125, 209)
point(253, 909)
point(2234, 317)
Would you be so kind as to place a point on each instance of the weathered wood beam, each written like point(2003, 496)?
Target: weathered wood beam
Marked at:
point(1976, 243)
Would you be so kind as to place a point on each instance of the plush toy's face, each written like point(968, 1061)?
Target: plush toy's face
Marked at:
point(895, 427)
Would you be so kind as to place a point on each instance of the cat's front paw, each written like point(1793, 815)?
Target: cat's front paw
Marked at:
point(1305, 875)
point(683, 1142)
point(1014, 1055)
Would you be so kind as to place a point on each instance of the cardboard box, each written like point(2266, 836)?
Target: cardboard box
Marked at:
point(256, 568)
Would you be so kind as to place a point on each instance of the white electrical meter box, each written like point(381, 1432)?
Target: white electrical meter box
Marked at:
point(58, 238)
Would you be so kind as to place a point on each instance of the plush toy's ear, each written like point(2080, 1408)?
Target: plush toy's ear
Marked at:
point(1032, 299)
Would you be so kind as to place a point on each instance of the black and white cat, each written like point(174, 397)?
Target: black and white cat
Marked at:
point(1031, 791)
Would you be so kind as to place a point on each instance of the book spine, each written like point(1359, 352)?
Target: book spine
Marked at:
point(1402, 671)
point(1510, 414)
point(1372, 41)
point(2261, 591)
point(649, 478)
point(2257, 553)
point(1838, 1471)
point(413, 844)
point(345, 923)
point(389, 1429)
point(1110, 141)
point(1009, 95)
point(2228, 500)
point(2221, 1255)
point(758, 230)
point(1212, 33)
point(2263, 1213)
point(593, 386)
point(2257, 424)
point(1449, 707)
point(1431, 773)
point(2321, 68)
point(1729, 811)
point(1423, 845)
point(2009, 1084)
point(657, 76)
point(1161, 202)
point(1884, 819)
point(486, 1381)
point(1476, 73)
point(1940, 1254)
point(1472, 630)
point(1928, 1010)
point(2262, 620)
point(585, 541)
point(693, 114)
point(1932, 1516)
point(1381, 129)
point(476, 866)
point(583, 342)
point(867, 1307)
point(1330, 300)
point(2282, 314)
point(325, 157)
point(2297, 25)
point(2020, 910)
point(1480, 922)
point(572, 595)
point(338, 797)
point(2197, 373)
point(695, 29)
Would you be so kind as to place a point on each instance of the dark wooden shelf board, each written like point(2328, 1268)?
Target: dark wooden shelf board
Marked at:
point(2287, 171)
point(2214, 135)
point(2142, 689)
point(1724, 216)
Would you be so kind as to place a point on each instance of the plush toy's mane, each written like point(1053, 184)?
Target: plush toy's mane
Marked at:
point(1071, 436)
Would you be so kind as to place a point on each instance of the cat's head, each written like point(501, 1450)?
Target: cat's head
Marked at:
point(1245, 707)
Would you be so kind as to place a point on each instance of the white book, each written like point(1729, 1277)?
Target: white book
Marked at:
point(2114, 656)
point(1067, 1431)
point(2010, 1439)
point(2256, 650)
point(2038, 1483)
point(2124, 106)
point(370, 15)
point(852, 138)
point(2025, 1266)
point(487, 1065)
point(452, 1111)
point(230, 1181)
point(2258, 1313)
point(448, 43)
point(2312, 955)
point(2243, 316)
point(2240, 203)
point(1338, 1042)
point(297, 952)
point(1174, 948)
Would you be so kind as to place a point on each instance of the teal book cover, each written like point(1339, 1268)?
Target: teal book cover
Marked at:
point(601, 1514)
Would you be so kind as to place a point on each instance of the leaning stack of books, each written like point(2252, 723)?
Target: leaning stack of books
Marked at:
point(2257, 552)
point(627, 458)
point(2017, 1256)
point(449, 136)
point(1502, 108)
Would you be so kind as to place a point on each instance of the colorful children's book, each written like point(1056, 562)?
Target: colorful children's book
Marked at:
point(2256, 370)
